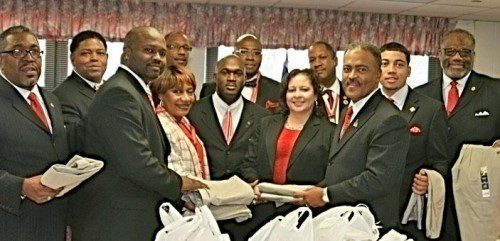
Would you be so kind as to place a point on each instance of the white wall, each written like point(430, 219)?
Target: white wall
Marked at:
point(487, 36)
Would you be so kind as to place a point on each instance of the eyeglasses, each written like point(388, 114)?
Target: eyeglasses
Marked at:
point(21, 53)
point(177, 47)
point(247, 52)
point(464, 53)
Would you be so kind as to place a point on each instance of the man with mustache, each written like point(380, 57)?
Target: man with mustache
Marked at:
point(89, 59)
point(225, 122)
point(33, 138)
point(426, 127)
point(471, 102)
point(258, 89)
point(121, 128)
point(178, 49)
point(323, 61)
point(366, 160)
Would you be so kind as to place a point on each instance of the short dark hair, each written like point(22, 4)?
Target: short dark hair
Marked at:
point(318, 108)
point(395, 46)
point(84, 35)
point(372, 49)
point(328, 47)
point(459, 31)
point(13, 30)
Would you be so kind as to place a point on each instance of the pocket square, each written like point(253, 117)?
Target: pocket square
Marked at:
point(415, 130)
point(482, 113)
point(271, 105)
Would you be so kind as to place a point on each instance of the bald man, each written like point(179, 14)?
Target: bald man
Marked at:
point(122, 129)
point(258, 89)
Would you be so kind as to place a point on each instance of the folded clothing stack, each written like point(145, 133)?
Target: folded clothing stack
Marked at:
point(280, 193)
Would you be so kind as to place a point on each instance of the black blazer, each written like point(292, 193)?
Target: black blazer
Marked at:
point(367, 164)
point(28, 149)
point(75, 96)
point(309, 157)
point(269, 91)
point(121, 202)
point(224, 160)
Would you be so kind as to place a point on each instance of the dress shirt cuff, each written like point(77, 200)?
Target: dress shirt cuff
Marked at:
point(325, 195)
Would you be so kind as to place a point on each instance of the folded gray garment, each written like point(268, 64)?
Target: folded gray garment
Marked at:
point(239, 212)
point(227, 192)
point(282, 190)
point(70, 175)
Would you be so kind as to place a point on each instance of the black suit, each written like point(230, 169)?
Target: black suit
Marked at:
point(465, 125)
point(427, 148)
point(28, 149)
point(307, 164)
point(269, 90)
point(121, 202)
point(75, 96)
point(367, 164)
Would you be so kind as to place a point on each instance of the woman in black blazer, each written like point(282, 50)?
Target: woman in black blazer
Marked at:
point(291, 147)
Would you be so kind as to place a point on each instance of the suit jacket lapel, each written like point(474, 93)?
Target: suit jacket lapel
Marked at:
point(309, 131)
point(410, 107)
point(244, 124)
point(271, 137)
point(471, 88)
point(357, 123)
point(210, 118)
point(83, 87)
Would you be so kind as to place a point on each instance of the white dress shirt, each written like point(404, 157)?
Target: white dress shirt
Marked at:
point(235, 108)
point(335, 88)
point(25, 93)
point(399, 97)
point(447, 86)
point(92, 84)
point(247, 91)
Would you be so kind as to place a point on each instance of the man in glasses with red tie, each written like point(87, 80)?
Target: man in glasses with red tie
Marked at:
point(258, 89)
point(33, 138)
point(323, 61)
point(367, 158)
point(471, 103)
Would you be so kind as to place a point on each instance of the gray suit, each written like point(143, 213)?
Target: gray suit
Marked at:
point(75, 96)
point(366, 165)
point(122, 129)
point(28, 149)
point(468, 124)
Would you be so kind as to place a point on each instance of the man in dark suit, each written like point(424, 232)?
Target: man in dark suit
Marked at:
point(471, 102)
point(323, 61)
point(89, 59)
point(258, 89)
point(178, 49)
point(33, 138)
point(225, 121)
point(426, 126)
point(366, 160)
point(121, 128)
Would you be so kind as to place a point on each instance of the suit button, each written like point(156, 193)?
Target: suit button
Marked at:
point(228, 152)
point(228, 171)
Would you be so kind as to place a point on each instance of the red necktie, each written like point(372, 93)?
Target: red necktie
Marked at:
point(452, 97)
point(330, 97)
point(227, 126)
point(347, 122)
point(37, 108)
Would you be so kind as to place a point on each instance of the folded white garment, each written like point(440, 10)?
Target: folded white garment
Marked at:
point(394, 236)
point(77, 170)
point(227, 192)
point(239, 212)
point(277, 198)
point(283, 190)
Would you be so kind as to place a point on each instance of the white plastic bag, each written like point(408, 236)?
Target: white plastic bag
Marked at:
point(295, 226)
point(346, 223)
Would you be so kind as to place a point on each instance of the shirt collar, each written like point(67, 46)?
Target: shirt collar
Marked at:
point(24, 92)
point(356, 107)
point(141, 82)
point(461, 82)
point(399, 97)
point(90, 83)
point(335, 88)
point(221, 105)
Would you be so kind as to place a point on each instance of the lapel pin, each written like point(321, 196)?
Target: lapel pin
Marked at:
point(473, 88)
point(345, 102)
point(51, 105)
point(355, 123)
point(412, 109)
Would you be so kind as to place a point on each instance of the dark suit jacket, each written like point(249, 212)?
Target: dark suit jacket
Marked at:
point(367, 164)
point(309, 157)
point(269, 90)
point(466, 126)
point(75, 96)
point(28, 149)
point(121, 202)
point(224, 160)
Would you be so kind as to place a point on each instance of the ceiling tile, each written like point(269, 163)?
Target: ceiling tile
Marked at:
point(483, 3)
point(442, 10)
point(380, 6)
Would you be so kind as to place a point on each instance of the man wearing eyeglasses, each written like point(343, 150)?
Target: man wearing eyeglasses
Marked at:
point(471, 103)
point(258, 88)
point(178, 49)
point(33, 138)
point(122, 129)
